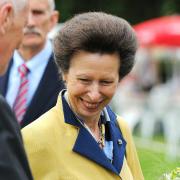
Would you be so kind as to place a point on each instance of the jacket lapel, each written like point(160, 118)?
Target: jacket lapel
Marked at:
point(119, 144)
point(86, 145)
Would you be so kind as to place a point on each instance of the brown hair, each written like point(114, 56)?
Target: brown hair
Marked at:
point(96, 32)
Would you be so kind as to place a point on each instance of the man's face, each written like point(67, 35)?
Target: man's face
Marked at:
point(40, 21)
point(12, 36)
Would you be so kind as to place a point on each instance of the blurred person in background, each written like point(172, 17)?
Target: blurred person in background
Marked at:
point(31, 84)
point(81, 138)
point(13, 161)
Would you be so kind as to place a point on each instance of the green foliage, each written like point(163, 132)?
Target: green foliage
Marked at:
point(154, 165)
point(134, 11)
point(169, 7)
point(65, 8)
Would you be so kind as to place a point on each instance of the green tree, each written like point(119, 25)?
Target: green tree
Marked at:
point(134, 11)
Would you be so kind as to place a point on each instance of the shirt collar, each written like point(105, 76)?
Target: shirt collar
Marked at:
point(37, 60)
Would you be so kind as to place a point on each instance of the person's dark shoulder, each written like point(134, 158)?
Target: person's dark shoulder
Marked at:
point(13, 160)
point(7, 118)
point(2, 100)
point(3, 104)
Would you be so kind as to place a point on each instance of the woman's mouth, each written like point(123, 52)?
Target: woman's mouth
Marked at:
point(90, 105)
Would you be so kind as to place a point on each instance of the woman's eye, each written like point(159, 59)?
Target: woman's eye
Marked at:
point(84, 80)
point(106, 82)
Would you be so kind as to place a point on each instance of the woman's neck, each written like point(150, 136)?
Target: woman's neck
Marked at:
point(91, 122)
point(92, 125)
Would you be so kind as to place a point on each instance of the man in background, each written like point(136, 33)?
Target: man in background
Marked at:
point(33, 93)
point(13, 161)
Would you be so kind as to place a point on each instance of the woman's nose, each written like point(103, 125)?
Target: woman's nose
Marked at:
point(94, 93)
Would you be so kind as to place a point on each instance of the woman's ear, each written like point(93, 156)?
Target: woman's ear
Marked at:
point(6, 17)
point(64, 77)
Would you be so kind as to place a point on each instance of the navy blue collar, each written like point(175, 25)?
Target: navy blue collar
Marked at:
point(91, 150)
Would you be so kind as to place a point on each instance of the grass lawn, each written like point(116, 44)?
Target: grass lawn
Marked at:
point(155, 164)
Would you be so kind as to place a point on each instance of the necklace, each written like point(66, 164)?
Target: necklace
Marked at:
point(101, 141)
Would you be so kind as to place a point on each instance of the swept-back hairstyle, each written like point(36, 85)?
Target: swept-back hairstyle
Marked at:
point(96, 32)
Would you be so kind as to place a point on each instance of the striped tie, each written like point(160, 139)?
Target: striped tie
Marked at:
point(21, 98)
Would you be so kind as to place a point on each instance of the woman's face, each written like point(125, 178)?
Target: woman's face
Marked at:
point(91, 82)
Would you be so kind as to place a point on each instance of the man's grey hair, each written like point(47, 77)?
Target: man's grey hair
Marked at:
point(20, 4)
point(51, 5)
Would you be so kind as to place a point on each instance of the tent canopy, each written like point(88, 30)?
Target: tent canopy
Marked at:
point(162, 31)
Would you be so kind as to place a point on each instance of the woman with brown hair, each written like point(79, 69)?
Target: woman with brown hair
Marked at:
point(81, 138)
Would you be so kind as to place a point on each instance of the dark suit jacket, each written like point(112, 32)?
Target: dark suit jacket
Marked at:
point(13, 162)
point(46, 94)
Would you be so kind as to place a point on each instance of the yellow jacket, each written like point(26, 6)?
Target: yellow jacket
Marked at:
point(59, 148)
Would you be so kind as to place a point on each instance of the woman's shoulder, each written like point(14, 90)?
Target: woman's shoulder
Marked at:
point(131, 154)
point(42, 128)
point(41, 122)
point(123, 125)
point(126, 132)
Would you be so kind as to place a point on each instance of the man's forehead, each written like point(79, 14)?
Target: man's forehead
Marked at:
point(39, 1)
point(39, 4)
